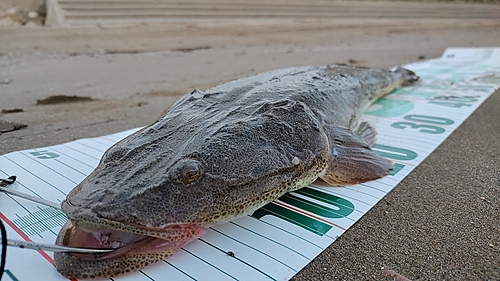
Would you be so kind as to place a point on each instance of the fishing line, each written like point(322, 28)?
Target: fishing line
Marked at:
point(4, 248)
point(3, 231)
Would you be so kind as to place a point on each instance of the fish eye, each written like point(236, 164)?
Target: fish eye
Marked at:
point(186, 171)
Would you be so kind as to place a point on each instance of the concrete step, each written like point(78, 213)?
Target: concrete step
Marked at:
point(92, 12)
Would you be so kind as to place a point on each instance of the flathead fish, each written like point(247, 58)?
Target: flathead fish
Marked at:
point(218, 155)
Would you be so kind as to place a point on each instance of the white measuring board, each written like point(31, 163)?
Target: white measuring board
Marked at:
point(281, 238)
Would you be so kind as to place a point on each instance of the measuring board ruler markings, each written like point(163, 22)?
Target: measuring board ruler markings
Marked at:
point(279, 239)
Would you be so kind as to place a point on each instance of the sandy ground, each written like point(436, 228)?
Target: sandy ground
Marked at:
point(433, 226)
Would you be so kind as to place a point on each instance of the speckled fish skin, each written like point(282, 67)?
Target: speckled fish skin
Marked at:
point(220, 154)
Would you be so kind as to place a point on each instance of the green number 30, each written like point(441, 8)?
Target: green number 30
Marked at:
point(430, 129)
point(423, 128)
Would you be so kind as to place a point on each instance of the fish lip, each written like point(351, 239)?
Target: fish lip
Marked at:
point(148, 250)
point(136, 239)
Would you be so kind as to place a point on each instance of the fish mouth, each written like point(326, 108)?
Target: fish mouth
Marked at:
point(131, 251)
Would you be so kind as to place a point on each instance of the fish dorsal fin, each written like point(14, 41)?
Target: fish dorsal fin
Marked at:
point(352, 160)
point(367, 133)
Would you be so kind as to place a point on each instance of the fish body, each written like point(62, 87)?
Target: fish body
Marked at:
point(220, 154)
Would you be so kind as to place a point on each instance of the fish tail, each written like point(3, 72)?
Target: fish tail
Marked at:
point(409, 77)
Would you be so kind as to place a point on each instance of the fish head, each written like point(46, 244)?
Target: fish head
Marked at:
point(160, 188)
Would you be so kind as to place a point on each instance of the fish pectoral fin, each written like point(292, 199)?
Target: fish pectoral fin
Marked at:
point(352, 160)
point(367, 133)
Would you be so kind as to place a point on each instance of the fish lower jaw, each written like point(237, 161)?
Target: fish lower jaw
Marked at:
point(70, 266)
point(131, 252)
